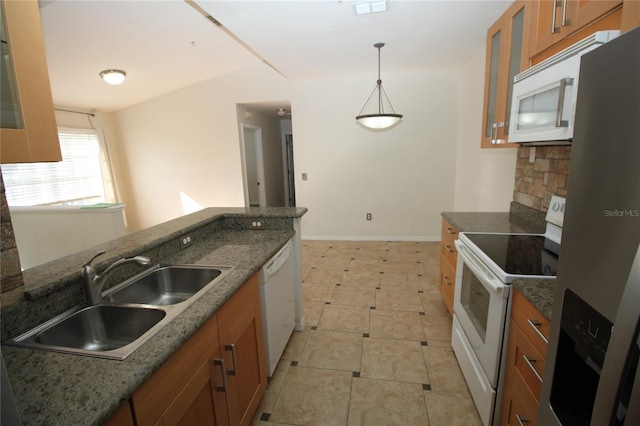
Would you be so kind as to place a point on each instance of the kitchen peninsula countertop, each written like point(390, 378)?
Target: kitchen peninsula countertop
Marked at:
point(57, 388)
point(539, 292)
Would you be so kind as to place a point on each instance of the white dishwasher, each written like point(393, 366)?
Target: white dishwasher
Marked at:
point(276, 297)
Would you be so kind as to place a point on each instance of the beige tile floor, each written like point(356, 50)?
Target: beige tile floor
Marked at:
point(376, 347)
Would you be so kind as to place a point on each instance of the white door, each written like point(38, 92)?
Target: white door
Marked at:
point(254, 188)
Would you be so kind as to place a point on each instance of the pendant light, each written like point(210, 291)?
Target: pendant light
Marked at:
point(382, 119)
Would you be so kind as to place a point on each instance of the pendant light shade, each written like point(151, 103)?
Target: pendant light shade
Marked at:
point(386, 116)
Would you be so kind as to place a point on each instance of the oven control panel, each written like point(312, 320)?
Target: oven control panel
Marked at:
point(555, 213)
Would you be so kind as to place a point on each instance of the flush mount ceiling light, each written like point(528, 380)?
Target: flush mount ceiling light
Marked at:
point(113, 77)
point(281, 112)
point(382, 119)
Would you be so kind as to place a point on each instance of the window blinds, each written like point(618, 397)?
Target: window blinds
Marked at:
point(76, 180)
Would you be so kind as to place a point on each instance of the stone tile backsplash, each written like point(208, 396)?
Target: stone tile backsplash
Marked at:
point(537, 181)
point(11, 281)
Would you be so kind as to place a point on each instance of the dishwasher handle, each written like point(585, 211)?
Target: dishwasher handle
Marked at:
point(276, 262)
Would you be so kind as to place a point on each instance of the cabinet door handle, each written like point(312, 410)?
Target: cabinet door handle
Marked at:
point(521, 420)
point(563, 88)
point(220, 362)
point(554, 29)
point(530, 362)
point(232, 348)
point(449, 249)
point(535, 324)
point(447, 281)
point(450, 231)
point(565, 21)
point(495, 126)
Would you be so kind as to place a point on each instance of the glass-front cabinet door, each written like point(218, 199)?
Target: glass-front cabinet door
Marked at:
point(10, 115)
point(507, 55)
point(28, 130)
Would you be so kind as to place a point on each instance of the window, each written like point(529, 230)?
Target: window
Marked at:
point(76, 180)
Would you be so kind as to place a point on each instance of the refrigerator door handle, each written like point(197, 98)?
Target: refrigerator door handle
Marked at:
point(616, 367)
point(633, 412)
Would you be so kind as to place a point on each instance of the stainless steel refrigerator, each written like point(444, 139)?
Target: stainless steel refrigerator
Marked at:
point(591, 374)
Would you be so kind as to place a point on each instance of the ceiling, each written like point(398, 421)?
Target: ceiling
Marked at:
point(164, 45)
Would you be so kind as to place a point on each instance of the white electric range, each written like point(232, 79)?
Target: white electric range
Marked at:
point(487, 265)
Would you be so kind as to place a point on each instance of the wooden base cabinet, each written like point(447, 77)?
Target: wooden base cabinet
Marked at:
point(217, 377)
point(122, 416)
point(448, 261)
point(187, 385)
point(526, 351)
point(241, 341)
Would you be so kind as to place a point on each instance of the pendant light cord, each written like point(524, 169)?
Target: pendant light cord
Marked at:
point(379, 46)
point(382, 95)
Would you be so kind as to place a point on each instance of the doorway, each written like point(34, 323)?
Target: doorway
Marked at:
point(266, 145)
point(255, 195)
point(291, 184)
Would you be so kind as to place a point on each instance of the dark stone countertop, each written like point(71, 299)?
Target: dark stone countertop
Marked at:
point(501, 222)
point(57, 388)
point(539, 292)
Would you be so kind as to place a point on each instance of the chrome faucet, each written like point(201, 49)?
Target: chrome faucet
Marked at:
point(93, 283)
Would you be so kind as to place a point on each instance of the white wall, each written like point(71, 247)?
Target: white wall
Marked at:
point(484, 177)
point(45, 233)
point(181, 151)
point(404, 176)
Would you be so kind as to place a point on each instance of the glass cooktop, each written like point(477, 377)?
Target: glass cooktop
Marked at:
point(519, 254)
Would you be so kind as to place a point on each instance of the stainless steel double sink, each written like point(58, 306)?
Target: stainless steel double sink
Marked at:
point(132, 312)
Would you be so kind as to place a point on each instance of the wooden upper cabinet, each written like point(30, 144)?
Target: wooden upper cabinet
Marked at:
point(558, 19)
point(507, 55)
point(630, 15)
point(28, 130)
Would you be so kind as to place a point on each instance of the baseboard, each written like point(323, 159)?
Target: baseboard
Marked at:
point(426, 238)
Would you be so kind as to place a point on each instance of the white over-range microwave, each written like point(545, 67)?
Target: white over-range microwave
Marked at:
point(544, 97)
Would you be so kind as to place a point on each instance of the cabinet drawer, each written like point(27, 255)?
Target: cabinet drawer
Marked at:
point(532, 323)
point(523, 408)
point(447, 247)
point(447, 281)
point(527, 361)
point(449, 232)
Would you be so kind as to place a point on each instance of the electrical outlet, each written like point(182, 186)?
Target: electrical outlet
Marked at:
point(368, 216)
point(185, 241)
point(304, 176)
point(256, 224)
point(532, 154)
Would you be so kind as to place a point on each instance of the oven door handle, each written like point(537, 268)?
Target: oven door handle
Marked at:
point(487, 278)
